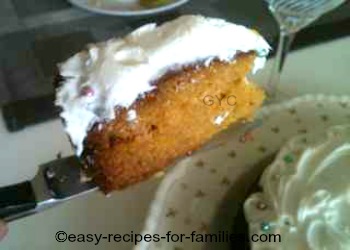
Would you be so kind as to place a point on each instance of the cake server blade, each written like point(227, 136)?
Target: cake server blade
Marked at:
point(55, 182)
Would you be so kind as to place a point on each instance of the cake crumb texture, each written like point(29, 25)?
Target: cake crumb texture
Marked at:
point(177, 117)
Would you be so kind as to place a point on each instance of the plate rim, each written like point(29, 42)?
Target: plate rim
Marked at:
point(150, 11)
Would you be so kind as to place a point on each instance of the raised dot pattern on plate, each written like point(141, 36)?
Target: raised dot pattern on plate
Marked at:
point(232, 160)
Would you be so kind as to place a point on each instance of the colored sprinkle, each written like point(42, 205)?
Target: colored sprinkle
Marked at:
point(265, 226)
point(288, 159)
point(86, 91)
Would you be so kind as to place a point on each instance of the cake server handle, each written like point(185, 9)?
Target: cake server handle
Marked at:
point(16, 200)
point(55, 183)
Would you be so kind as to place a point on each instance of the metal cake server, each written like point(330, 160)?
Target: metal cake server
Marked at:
point(61, 180)
point(55, 182)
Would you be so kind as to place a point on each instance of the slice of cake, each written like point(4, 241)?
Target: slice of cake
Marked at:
point(131, 106)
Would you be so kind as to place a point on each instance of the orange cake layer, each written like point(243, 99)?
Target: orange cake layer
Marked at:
point(179, 116)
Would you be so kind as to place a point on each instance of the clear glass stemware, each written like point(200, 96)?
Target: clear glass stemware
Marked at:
point(292, 16)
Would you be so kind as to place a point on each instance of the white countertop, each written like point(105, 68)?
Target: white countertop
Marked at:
point(319, 69)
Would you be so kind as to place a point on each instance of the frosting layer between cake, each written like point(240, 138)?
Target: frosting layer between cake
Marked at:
point(116, 72)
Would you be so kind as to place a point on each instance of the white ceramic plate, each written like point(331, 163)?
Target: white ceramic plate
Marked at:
point(204, 192)
point(124, 7)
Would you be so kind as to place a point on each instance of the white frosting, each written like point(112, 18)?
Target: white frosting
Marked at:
point(220, 118)
point(131, 115)
point(312, 194)
point(119, 71)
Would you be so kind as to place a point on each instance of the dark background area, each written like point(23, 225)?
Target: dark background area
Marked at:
point(37, 34)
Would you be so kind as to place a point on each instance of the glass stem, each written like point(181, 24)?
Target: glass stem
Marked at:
point(284, 43)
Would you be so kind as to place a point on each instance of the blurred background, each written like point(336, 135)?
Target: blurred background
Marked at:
point(36, 34)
